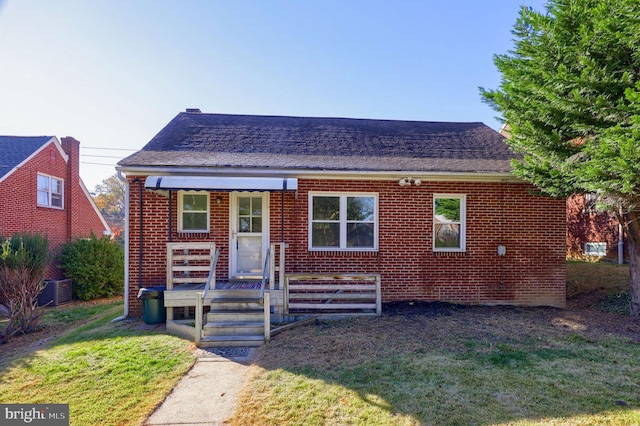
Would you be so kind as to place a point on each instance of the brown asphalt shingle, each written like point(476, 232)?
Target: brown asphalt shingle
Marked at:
point(335, 144)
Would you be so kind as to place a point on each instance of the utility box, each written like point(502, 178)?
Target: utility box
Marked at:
point(55, 292)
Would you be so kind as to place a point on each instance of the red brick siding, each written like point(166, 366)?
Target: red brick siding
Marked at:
point(19, 210)
point(532, 228)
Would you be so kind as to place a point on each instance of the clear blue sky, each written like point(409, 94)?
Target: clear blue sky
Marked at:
point(112, 73)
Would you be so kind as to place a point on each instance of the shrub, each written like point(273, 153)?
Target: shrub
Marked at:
point(23, 260)
point(95, 266)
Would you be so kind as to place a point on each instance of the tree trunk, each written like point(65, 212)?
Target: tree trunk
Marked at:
point(633, 238)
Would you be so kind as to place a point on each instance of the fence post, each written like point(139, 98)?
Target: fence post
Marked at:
point(198, 318)
point(267, 316)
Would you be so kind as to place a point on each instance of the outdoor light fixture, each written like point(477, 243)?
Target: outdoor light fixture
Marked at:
point(408, 181)
point(218, 200)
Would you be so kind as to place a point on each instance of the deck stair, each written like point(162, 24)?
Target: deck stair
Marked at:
point(235, 318)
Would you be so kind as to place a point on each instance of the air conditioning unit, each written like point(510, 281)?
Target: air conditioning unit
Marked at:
point(55, 292)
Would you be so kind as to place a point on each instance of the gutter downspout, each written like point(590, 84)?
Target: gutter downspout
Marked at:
point(125, 315)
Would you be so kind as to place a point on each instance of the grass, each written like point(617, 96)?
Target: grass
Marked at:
point(604, 285)
point(466, 366)
point(108, 373)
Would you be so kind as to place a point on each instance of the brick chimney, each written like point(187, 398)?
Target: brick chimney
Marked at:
point(72, 148)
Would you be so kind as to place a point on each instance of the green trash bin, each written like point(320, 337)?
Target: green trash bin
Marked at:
point(153, 310)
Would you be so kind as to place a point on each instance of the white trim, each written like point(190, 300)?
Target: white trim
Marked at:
point(181, 194)
point(107, 228)
point(343, 195)
point(463, 223)
point(53, 140)
point(326, 174)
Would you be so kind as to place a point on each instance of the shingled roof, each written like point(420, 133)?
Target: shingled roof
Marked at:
point(194, 139)
point(15, 149)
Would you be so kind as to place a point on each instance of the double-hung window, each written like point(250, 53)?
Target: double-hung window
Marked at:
point(193, 211)
point(343, 221)
point(50, 191)
point(449, 222)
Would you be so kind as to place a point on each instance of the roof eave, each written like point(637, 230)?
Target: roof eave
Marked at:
point(439, 176)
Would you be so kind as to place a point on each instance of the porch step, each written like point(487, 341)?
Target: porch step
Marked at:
point(235, 315)
point(234, 321)
point(235, 341)
point(238, 328)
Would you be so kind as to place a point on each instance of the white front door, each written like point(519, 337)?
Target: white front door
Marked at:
point(249, 233)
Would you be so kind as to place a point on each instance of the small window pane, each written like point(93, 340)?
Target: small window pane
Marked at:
point(195, 202)
point(245, 224)
point(360, 208)
point(325, 235)
point(326, 208)
point(43, 198)
point(360, 235)
point(43, 183)
point(447, 209)
point(256, 207)
point(256, 224)
point(447, 235)
point(244, 206)
point(194, 221)
point(56, 200)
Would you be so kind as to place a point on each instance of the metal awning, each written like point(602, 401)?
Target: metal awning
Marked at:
point(203, 183)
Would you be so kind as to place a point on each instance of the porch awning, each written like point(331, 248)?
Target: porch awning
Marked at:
point(199, 183)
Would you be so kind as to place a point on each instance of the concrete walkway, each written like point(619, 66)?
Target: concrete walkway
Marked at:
point(206, 395)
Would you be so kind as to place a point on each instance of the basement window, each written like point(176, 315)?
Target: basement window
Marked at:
point(50, 191)
point(193, 211)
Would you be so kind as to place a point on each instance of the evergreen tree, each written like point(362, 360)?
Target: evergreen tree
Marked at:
point(570, 94)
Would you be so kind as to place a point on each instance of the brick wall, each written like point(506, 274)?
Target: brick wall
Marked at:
point(532, 228)
point(19, 210)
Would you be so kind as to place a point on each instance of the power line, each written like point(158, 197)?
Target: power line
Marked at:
point(108, 149)
point(101, 156)
point(99, 164)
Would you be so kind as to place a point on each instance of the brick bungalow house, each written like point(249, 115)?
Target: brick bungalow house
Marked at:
point(41, 192)
point(428, 208)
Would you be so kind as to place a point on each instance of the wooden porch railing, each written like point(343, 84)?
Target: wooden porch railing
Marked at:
point(347, 294)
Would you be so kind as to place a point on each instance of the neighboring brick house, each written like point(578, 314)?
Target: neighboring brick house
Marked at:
point(432, 207)
point(41, 192)
point(589, 232)
point(593, 233)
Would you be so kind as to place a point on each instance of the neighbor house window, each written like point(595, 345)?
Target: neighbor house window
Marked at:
point(193, 211)
point(449, 222)
point(50, 191)
point(595, 249)
point(345, 221)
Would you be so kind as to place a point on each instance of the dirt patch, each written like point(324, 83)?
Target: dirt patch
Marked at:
point(413, 326)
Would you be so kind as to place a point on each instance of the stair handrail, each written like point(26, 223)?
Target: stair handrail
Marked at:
point(212, 273)
point(265, 273)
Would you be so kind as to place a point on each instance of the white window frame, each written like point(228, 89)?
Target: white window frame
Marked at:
point(343, 221)
point(181, 211)
point(49, 192)
point(462, 223)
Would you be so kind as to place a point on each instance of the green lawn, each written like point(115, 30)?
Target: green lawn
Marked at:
point(109, 373)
